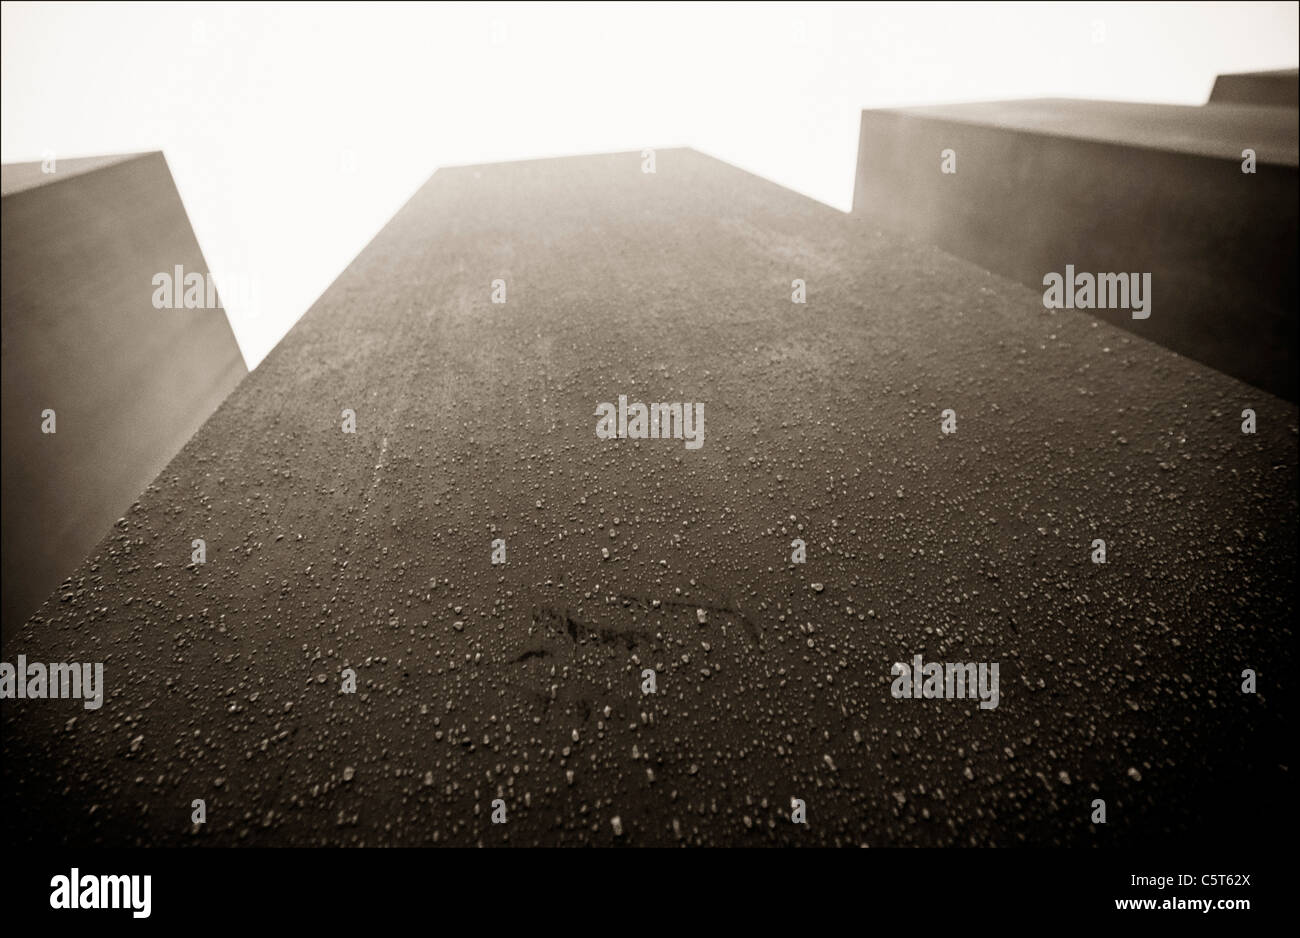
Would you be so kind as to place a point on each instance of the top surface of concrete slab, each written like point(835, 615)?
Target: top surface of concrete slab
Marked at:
point(19, 177)
point(1222, 131)
point(1286, 73)
point(476, 420)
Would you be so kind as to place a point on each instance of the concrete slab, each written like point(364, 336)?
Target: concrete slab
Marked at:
point(1219, 132)
point(128, 383)
point(19, 177)
point(1112, 187)
point(1280, 88)
point(524, 681)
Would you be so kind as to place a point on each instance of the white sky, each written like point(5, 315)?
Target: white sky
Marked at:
point(295, 131)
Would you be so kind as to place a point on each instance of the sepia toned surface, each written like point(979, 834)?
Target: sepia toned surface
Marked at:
point(128, 383)
point(475, 421)
point(1112, 186)
point(1278, 88)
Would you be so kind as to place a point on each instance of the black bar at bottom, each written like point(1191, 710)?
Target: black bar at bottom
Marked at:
point(338, 888)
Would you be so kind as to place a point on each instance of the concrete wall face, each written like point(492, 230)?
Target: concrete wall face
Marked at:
point(1271, 89)
point(128, 383)
point(1220, 244)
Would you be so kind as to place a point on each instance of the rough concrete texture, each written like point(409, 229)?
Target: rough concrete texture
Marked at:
point(129, 384)
point(1112, 187)
point(1279, 88)
point(522, 682)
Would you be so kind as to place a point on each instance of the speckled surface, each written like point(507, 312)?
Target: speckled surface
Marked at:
point(476, 421)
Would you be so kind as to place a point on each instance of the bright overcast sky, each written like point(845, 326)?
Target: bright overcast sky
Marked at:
point(295, 131)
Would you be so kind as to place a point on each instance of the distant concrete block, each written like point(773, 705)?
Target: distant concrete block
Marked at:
point(128, 383)
point(1275, 89)
point(1112, 187)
